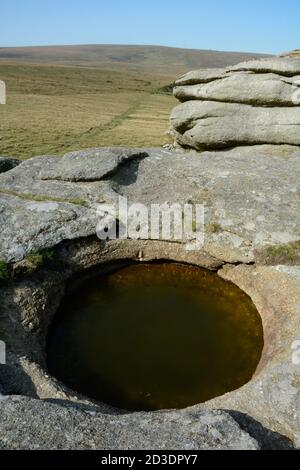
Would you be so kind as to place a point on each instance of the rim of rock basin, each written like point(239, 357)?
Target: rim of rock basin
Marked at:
point(32, 301)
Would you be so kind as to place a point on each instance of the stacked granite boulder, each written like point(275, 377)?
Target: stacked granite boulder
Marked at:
point(255, 102)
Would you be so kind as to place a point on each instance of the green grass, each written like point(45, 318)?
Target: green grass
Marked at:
point(40, 198)
point(289, 252)
point(55, 109)
point(41, 258)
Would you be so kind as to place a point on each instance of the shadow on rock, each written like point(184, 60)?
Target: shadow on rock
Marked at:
point(267, 439)
point(15, 380)
point(127, 173)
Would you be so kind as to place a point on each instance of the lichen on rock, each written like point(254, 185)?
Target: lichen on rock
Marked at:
point(255, 102)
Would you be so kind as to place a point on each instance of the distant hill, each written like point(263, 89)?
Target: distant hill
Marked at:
point(72, 97)
point(157, 59)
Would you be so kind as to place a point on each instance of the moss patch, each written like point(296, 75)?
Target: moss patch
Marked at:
point(4, 272)
point(40, 258)
point(41, 198)
point(213, 227)
point(288, 253)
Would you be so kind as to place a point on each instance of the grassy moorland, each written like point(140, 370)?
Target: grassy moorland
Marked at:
point(55, 109)
point(65, 98)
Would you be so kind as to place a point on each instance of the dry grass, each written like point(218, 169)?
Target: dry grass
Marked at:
point(72, 97)
point(55, 109)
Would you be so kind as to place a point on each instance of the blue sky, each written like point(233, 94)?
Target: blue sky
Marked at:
point(270, 26)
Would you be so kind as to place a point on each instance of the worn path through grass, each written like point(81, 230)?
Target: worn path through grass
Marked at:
point(56, 109)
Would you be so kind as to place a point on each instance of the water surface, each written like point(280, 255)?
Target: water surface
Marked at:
point(154, 336)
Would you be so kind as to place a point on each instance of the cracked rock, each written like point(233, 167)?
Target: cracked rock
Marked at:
point(255, 102)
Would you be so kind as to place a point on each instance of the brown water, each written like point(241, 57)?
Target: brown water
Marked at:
point(154, 336)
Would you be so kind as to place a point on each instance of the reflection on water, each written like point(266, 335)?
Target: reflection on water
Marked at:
point(154, 336)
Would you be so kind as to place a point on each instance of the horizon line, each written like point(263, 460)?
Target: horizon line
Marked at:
point(131, 45)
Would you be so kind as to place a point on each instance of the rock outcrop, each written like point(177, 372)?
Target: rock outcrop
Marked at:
point(255, 102)
point(252, 238)
point(47, 200)
point(294, 53)
point(251, 193)
point(47, 426)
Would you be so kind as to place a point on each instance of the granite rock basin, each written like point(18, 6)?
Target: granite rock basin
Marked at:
point(155, 336)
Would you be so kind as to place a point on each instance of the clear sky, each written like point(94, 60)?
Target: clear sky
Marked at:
point(270, 26)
